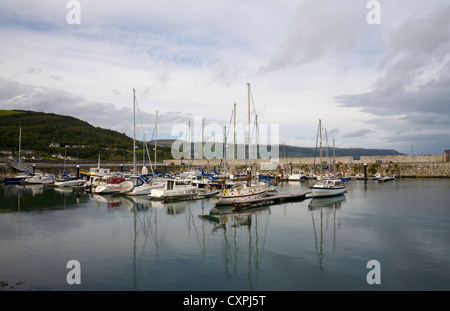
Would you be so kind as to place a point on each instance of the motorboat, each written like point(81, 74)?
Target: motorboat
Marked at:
point(297, 175)
point(110, 186)
point(40, 179)
point(69, 181)
point(173, 189)
point(137, 185)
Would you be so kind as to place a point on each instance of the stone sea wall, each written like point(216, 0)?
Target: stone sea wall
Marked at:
point(401, 166)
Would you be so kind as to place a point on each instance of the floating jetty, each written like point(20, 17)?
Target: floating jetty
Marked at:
point(386, 178)
point(187, 196)
point(272, 199)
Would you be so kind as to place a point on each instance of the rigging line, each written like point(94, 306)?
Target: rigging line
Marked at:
point(144, 141)
point(229, 124)
point(253, 102)
point(315, 150)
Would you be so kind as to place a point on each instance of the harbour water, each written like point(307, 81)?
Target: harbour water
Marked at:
point(125, 244)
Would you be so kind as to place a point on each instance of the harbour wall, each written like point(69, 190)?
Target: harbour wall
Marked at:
point(401, 166)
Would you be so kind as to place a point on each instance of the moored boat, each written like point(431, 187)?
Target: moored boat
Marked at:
point(67, 181)
point(173, 189)
point(40, 179)
point(326, 186)
point(110, 186)
point(240, 193)
point(297, 175)
point(137, 185)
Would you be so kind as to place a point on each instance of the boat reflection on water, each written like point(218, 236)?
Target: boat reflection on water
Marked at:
point(226, 215)
point(327, 202)
point(109, 200)
point(325, 210)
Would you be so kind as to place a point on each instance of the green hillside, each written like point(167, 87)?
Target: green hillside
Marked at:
point(39, 130)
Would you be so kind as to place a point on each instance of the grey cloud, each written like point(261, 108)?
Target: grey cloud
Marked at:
point(319, 29)
point(358, 133)
point(57, 78)
point(14, 95)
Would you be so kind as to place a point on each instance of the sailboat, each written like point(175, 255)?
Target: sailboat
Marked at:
point(21, 176)
point(137, 185)
point(241, 192)
point(326, 187)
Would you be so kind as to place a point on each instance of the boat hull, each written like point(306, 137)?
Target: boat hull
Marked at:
point(69, 183)
point(233, 199)
point(327, 192)
point(162, 193)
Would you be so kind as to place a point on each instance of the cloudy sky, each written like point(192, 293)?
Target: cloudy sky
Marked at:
point(380, 85)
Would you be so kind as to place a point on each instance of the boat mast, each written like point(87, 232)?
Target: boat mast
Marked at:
point(248, 88)
point(134, 132)
point(320, 148)
point(20, 146)
point(225, 151)
point(234, 139)
point(156, 135)
point(334, 160)
point(203, 140)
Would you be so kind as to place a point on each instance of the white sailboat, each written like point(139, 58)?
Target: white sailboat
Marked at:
point(326, 187)
point(137, 185)
point(239, 193)
point(21, 176)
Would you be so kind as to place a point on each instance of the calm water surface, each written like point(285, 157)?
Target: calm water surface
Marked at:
point(136, 244)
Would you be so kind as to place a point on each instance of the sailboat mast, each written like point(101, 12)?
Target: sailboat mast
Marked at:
point(248, 89)
point(134, 131)
point(334, 159)
point(156, 134)
point(225, 151)
point(203, 140)
point(320, 148)
point(234, 138)
point(20, 147)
